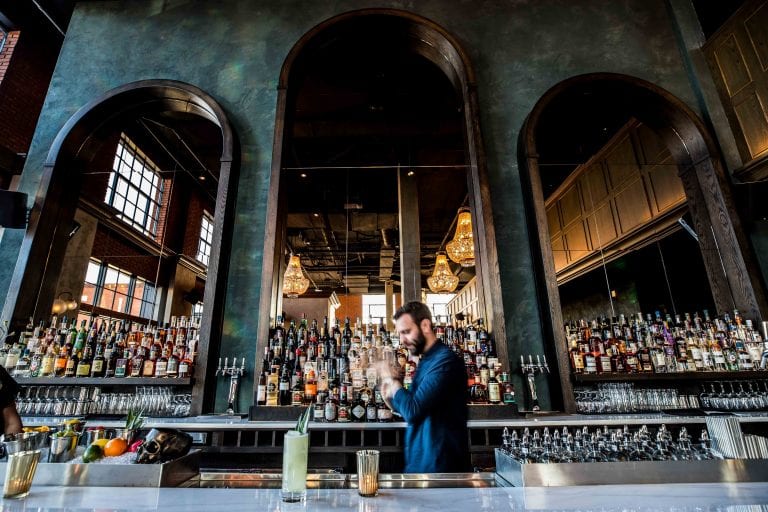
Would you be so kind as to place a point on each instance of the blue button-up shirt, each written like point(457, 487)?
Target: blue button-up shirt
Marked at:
point(435, 408)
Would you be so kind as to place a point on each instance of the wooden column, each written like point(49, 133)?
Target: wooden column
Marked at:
point(410, 243)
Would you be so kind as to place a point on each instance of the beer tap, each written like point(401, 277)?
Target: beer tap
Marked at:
point(530, 369)
point(235, 373)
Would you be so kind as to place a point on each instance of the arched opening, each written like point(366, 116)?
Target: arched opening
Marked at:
point(165, 114)
point(373, 56)
point(684, 165)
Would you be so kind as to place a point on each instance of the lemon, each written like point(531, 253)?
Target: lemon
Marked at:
point(100, 443)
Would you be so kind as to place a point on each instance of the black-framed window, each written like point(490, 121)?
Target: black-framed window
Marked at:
point(112, 288)
point(135, 188)
point(206, 239)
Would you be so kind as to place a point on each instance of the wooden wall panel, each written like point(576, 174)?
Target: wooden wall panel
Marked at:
point(558, 253)
point(577, 241)
point(738, 57)
point(553, 221)
point(621, 162)
point(753, 121)
point(570, 206)
point(602, 227)
point(594, 185)
point(757, 32)
point(625, 188)
point(733, 68)
point(632, 206)
point(665, 185)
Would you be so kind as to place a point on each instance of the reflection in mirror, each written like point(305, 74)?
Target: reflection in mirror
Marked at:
point(618, 218)
point(134, 269)
point(374, 173)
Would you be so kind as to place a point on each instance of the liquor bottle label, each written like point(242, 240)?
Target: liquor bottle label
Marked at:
point(97, 366)
point(494, 394)
point(358, 412)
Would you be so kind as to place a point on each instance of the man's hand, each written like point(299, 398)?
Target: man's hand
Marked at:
point(389, 381)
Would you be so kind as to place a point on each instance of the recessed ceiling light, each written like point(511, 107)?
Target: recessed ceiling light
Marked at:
point(315, 214)
point(411, 173)
point(201, 177)
point(303, 175)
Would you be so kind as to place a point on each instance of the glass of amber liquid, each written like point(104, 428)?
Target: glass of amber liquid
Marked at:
point(295, 456)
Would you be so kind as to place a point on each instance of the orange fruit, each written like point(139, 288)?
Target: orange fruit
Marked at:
point(115, 447)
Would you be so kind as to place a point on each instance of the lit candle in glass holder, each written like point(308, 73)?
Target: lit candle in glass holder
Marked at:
point(368, 472)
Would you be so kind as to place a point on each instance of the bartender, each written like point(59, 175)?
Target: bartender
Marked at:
point(435, 406)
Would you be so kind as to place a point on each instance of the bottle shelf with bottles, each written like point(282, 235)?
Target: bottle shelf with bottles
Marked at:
point(333, 368)
point(649, 348)
point(104, 352)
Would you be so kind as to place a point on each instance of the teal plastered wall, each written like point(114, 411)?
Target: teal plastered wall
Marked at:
point(234, 51)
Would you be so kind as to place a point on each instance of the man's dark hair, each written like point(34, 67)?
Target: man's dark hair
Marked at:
point(418, 311)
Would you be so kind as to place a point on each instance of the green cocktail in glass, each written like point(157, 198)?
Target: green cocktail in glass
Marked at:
point(295, 455)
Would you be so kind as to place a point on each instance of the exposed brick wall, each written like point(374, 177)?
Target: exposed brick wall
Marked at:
point(7, 52)
point(193, 223)
point(25, 75)
point(113, 249)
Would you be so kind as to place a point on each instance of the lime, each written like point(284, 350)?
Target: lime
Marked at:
point(92, 453)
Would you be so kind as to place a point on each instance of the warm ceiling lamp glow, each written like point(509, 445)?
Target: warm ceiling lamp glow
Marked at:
point(462, 248)
point(442, 280)
point(294, 282)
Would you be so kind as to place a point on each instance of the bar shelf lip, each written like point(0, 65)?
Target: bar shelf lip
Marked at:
point(689, 376)
point(105, 381)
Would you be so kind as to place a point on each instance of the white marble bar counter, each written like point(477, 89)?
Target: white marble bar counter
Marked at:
point(223, 423)
point(741, 497)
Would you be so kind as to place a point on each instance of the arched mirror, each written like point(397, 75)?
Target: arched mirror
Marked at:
point(377, 171)
point(638, 272)
point(123, 253)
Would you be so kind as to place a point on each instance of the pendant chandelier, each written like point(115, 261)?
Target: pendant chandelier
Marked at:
point(462, 248)
point(442, 280)
point(294, 282)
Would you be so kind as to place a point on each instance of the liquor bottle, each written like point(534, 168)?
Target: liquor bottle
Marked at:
point(84, 363)
point(172, 370)
point(371, 410)
point(137, 362)
point(99, 366)
point(297, 392)
point(272, 391)
point(331, 406)
point(358, 409)
point(318, 409)
point(71, 366)
point(494, 389)
point(47, 366)
point(508, 393)
point(384, 413)
point(344, 414)
point(148, 369)
point(161, 364)
point(22, 365)
point(122, 363)
point(284, 388)
point(36, 364)
point(310, 385)
point(186, 365)
point(261, 389)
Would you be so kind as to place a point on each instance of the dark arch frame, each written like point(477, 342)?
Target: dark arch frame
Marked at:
point(44, 243)
point(706, 187)
point(437, 45)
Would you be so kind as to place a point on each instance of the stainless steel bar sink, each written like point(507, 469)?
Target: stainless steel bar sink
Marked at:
point(258, 480)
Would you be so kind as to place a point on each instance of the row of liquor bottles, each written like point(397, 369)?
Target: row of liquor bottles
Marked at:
point(662, 345)
point(106, 348)
point(334, 368)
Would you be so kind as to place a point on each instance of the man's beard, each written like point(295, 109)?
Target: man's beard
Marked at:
point(419, 344)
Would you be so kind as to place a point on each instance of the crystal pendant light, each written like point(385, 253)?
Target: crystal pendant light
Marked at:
point(294, 282)
point(462, 248)
point(442, 280)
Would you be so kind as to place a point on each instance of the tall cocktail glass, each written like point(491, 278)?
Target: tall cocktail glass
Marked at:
point(295, 456)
